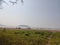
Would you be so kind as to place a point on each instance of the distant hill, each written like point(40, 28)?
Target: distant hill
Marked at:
point(23, 26)
point(2, 25)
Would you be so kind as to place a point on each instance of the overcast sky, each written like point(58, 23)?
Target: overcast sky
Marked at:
point(35, 13)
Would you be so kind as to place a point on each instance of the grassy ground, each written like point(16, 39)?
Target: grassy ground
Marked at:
point(29, 37)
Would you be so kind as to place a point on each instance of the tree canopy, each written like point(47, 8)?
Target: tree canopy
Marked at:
point(7, 3)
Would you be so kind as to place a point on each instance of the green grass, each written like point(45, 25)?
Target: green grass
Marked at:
point(28, 37)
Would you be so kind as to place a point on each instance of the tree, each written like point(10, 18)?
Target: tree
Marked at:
point(10, 1)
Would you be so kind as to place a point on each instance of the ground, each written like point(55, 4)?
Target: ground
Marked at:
point(29, 37)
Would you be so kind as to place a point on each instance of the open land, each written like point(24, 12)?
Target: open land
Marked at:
point(29, 37)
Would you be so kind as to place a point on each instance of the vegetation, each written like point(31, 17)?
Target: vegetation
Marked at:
point(28, 37)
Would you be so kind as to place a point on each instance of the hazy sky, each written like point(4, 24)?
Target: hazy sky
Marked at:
point(35, 13)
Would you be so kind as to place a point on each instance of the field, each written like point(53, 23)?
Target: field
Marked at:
point(29, 37)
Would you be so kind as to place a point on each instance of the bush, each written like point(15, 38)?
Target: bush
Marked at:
point(4, 29)
point(27, 35)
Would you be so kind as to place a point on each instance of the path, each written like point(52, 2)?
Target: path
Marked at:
point(49, 38)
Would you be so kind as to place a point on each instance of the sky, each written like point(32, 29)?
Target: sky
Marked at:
point(35, 13)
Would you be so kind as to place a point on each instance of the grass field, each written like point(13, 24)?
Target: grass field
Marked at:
point(28, 37)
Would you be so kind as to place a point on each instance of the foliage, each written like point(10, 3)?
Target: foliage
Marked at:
point(28, 37)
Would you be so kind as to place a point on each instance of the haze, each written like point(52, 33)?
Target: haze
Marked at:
point(35, 13)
